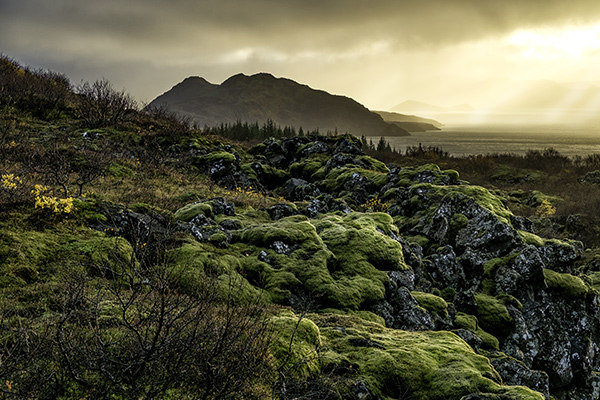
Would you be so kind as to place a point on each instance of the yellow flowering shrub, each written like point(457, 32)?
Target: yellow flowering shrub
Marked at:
point(55, 204)
point(10, 181)
point(545, 209)
point(375, 204)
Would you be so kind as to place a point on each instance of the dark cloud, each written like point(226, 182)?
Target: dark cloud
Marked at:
point(158, 36)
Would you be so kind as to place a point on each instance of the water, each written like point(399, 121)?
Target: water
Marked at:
point(507, 136)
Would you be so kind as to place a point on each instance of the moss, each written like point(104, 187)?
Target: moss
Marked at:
point(87, 211)
point(536, 198)
point(362, 255)
point(492, 314)
point(421, 240)
point(206, 258)
point(594, 278)
point(453, 174)
point(100, 249)
point(246, 217)
point(373, 164)
point(471, 323)
point(367, 316)
point(378, 220)
point(119, 171)
point(458, 222)
point(431, 303)
point(218, 239)
point(565, 285)
point(306, 168)
point(531, 238)
point(205, 261)
point(337, 178)
point(422, 365)
point(490, 267)
point(265, 173)
point(216, 156)
point(190, 211)
point(482, 196)
point(343, 259)
point(49, 250)
point(357, 237)
point(296, 344)
point(290, 230)
point(408, 176)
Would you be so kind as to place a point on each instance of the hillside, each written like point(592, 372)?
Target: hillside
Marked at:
point(143, 258)
point(262, 97)
point(411, 123)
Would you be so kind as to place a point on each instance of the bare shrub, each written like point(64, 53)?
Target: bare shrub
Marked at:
point(136, 333)
point(100, 105)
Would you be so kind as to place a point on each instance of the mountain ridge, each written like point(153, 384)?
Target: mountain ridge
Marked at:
point(262, 97)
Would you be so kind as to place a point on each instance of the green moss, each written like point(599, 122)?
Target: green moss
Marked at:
point(292, 230)
point(295, 346)
point(215, 156)
point(87, 211)
point(306, 168)
point(594, 278)
point(338, 177)
point(189, 211)
point(471, 323)
point(343, 259)
point(362, 255)
point(205, 261)
point(119, 171)
point(48, 251)
point(566, 285)
point(246, 217)
point(267, 173)
point(431, 303)
point(453, 174)
point(364, 315)
point(536, 198)
point(422, 365)
point(100, 249)
point(458, 222)
point(490, 267)
point(418, 239)
point(492, 314)
point(406, 176)
point(373, 164)
point(531, 238)
point(218, 238)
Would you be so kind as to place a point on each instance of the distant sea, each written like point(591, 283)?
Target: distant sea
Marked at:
point(508, 133)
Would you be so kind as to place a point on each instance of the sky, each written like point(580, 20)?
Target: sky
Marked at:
point(379, 52)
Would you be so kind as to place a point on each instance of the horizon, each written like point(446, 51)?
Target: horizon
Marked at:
point(489, 56)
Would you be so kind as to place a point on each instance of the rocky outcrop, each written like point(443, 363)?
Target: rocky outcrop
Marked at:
point(418, 253)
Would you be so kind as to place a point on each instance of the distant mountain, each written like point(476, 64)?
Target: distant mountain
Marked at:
point(262, 97)
point(411, 123)
point(412, 106)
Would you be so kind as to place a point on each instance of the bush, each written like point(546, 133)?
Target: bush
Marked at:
point(124, 331)
point(99, 105)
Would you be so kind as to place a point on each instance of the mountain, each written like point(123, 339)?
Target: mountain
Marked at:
point(262, 97)
point(412, 106)
point(411, 123)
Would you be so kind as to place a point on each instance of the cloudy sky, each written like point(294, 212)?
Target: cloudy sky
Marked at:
point(380, 52)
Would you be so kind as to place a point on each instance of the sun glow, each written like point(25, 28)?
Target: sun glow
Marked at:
point(555, 44)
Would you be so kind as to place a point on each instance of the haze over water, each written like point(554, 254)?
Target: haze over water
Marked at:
point(577, 133)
